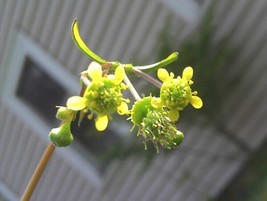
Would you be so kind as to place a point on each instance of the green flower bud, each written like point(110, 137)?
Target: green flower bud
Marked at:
point(178, 138)
point(61, 136)
point(64, 113)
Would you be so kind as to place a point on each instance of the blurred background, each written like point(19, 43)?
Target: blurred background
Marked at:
point(223, 156)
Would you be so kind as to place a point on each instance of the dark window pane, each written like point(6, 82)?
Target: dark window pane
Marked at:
point(39, 90)
point(100, 144)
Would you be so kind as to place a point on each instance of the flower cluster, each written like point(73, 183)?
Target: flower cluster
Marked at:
point(155, 117)
point(176, 93)
point(102, 96)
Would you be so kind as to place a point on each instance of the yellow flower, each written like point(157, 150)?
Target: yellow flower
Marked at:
point(102, 96)
point(176, 93)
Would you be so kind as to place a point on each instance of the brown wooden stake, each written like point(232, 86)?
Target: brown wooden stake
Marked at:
point(38, 172)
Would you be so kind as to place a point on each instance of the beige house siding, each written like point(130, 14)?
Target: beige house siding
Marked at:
point(245, 107)
point(127, 30)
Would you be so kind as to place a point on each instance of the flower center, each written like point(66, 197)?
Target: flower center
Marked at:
point(176, 94)
point(103, 97)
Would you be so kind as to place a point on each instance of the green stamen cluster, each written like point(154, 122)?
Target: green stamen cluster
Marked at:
point(104, 97)
point(159, 129)
point(155, 125)
point(176, 93)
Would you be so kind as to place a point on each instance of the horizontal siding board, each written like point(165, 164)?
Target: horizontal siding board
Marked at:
point(253, 17)
point(47, 26)
point(141, 32)
point(100, 28)
point(125, 31)
point(60, 28)
point(21, 177)
point(67, 45)
point(118, 29)
point(31, 159)
point(29, 15)
point(6, 21)
point(130, 182)
point(250, 48)
point(118, 180)
point(229, 24)
point(15, 166)
point(11, 132)
point(42, 11)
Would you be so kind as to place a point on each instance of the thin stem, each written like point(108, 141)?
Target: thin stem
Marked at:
point(85, 80)
point(147, 77)
point(132, 89)
point(38, 172)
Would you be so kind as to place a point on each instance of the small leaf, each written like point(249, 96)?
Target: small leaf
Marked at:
point(79, 42)
point(171, 58)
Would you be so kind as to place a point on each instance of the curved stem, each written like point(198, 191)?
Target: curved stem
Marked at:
point(38, 172)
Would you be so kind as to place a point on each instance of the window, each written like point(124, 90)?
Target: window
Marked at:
point(35, 84)
point(39, 90)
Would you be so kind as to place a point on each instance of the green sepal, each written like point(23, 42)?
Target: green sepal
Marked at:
point(64, 114)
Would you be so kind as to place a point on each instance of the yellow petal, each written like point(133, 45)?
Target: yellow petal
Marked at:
point(119, 74)
point(95, 71)
point(156, 102)
point(123, 108)
point(76, 103)
point(101, 122)
point(187, 73)
point(196, 102)
point(173, 115)
point(163, 74)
